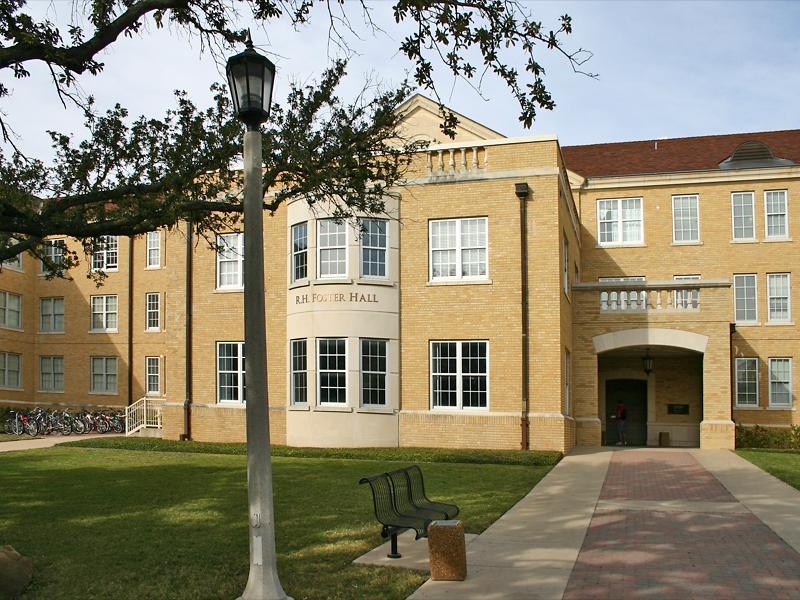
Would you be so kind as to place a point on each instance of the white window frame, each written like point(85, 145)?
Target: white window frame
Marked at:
point(755, 298)
point(105, 253)
point(14, 263)
point(385, 248)
point(752, 215)
point(105, 313)
point(151, 309)
point(363, 372)
point(567, 381)
point(620, 223)
point(295, 253)
point(459, 374)
point(51, 371)
point(241, 387)
point(696, 199)
point(152, 246)
point(5, 310)
point(152, 373)
point(788, 297)
point(459, 249)
point(106, 389)
point(50, 318)
point(746, 360)
point(345, 371)
point(788, 382)
point(768, 214)
point(54, 250)
point(298, 371)
point(565, 265)
point(237, 248)
point(336, 247)
point(681, 298)
point(4, 371)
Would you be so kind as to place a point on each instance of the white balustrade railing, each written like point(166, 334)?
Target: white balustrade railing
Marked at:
point(684, 299)
point(465, 159)
point(142, 414)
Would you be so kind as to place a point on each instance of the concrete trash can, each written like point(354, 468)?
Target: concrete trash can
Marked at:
point(448, 550)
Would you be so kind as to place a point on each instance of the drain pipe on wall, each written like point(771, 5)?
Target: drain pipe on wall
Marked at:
point(522, 192)
point(187, 403)
point(130, 320)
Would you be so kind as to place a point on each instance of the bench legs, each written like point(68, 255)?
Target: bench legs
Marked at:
point(393, 553)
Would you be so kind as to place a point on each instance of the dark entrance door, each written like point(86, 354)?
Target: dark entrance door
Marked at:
point(633, 394)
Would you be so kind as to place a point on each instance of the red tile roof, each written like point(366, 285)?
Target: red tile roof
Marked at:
point(673, 155)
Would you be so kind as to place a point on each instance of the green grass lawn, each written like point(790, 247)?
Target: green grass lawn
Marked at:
point(137, 525)
point(783, 464)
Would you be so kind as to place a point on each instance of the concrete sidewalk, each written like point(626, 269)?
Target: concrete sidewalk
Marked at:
point(27, 443)
point(532, 552)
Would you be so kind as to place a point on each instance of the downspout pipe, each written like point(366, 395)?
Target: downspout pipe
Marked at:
point(522, 191)
point(187, 403)
point(130, 320)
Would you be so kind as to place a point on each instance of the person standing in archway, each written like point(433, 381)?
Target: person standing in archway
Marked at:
point(621, 416)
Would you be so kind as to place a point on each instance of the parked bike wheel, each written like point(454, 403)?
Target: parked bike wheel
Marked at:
point(31, 428)
point(102, 426)
point(118, 427)
point(16, 427)
point(78, 426)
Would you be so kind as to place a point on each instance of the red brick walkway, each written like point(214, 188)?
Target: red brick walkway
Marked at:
point(677, 554)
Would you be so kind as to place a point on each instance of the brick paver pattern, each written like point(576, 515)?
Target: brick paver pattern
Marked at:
point(646, 554)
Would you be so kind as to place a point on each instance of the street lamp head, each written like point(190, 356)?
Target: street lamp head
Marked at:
point(250, 78)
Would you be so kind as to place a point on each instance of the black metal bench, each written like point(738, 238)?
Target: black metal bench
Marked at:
point(400, 504)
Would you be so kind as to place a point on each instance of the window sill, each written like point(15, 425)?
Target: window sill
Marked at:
point(230, 404)
point(11, 328)
point(332, 281)
point(376, 411)
point(459, 282)
point(329, 408)
point(153, 268)
point(104, 393)
point(776, 240)
point(459, 411)
point(783, 408)
point(376, 281)
point(697, 243)
point(299, 283)
point(10, 268)
point(748, 324)
point(49, 391)
point(154, 395)
point(153, 330)
point(51, 332)
point(779, 324)
point(746, 407)
point(744, 241)
point(104, 331)
point(109, 270)
point(232, 290)
point(11, 389)
point(639, 245)
point(300, 407)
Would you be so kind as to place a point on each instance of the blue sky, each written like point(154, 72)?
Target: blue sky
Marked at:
point(665, 69)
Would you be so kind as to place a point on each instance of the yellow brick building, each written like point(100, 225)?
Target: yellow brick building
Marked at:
point(513, 295)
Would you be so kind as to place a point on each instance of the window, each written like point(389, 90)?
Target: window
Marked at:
point(152, 303)
point(10, 364)
point(153, 247)
point(780, 382)
point(332, 247)
point(619, 221)
point(687, 298)
point(459, 374)
point(53, 251)
point(230, 261)
point(299, 371)
point(746, 382)
point(299, 251)
point(567, 380)
point(565, 266)
point(153, 375)
point(230, 372)
point(10, 310)
point(775, 214)
point(745, 294)
point(51, 373)
point(458, 249)
point(105, 253)
point(51, 315)
point(14, 263)
point(332, 370)
point(373, 247)
point(104, 375)
point(104, 313)
point(373, 372)
point(685, 219)
point(743, 216)
point(779, 297)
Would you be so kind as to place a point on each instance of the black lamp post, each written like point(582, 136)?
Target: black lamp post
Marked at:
point(250, 77)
